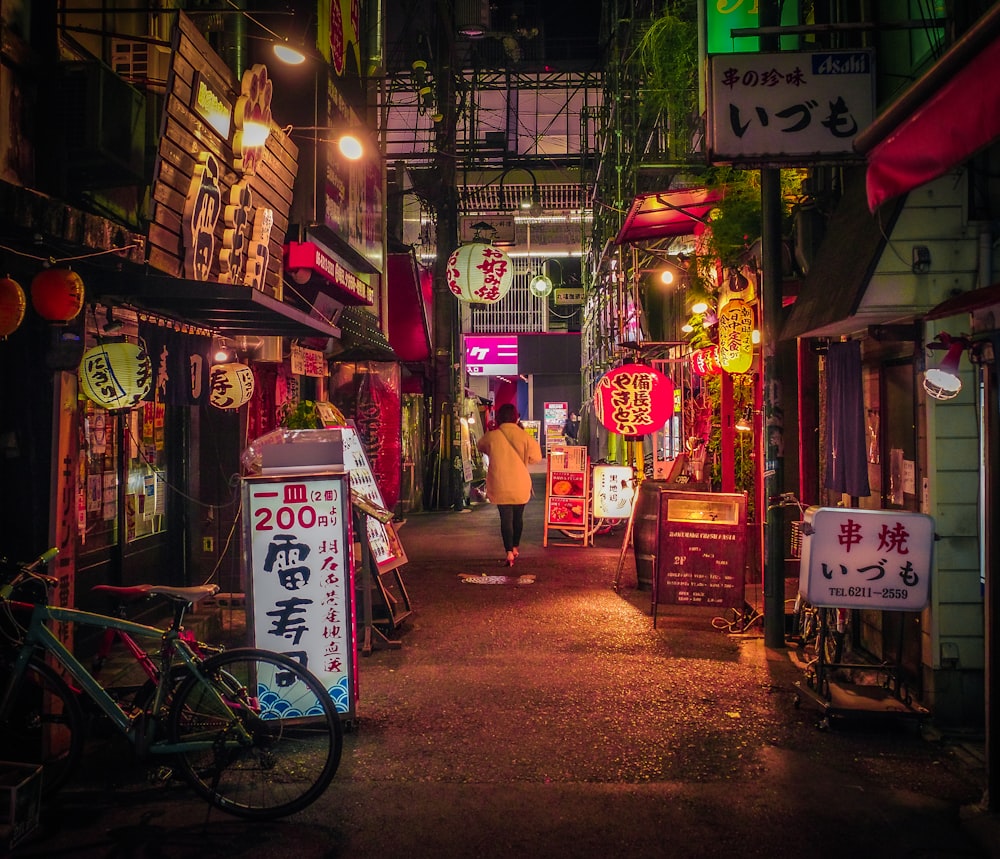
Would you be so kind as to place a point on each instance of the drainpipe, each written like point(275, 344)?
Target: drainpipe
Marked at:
point(989, 440)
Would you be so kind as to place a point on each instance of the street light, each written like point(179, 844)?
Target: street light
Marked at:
point(530, 205)
point(349, 144)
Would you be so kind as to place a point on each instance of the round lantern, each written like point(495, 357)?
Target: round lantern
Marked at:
point(57, 294)
point(116, 375)
point(479, 273)
point(230, 385)
point(736, 336)
point(634, 400)
point(12, 304)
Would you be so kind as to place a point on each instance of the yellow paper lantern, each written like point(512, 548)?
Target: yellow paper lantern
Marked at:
point(230, 385)
point(116, 375)
point(479, 273)
point(12, 306)
point(736, 336)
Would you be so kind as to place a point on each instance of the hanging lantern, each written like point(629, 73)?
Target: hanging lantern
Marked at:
point(116, 375)
point(479, 273)
point(230, 385)
point(736, 336)
point(12, 304)
point(634, 400)
point(705, 362)
point(57, 294)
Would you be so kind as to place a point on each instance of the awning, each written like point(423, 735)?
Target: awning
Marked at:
point(666, 214)
point(410, 296)
point(948, 115)
point(967, 302)
point(361, 339)
point(829, 301)
point(221, 307)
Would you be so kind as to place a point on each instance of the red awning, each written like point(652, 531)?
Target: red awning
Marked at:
point(666, 214)
point(410, 292)
point(948, 115)
point(966, 302)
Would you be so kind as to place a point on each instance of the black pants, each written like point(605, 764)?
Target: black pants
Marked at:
point(511, 524)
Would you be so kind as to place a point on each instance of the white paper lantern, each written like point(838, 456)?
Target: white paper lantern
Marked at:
point(540, 285)
point(230, 385)
point(480, 273)
point(116, 375)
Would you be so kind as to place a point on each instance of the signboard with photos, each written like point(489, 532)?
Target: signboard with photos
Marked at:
point(567, 493)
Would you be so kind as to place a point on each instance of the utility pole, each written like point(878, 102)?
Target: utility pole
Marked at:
point(771, 253)
point(446, 398)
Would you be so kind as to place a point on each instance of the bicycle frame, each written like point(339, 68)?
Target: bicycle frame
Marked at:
point(39, 638)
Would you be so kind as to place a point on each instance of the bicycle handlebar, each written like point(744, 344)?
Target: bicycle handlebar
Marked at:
point(30, 570)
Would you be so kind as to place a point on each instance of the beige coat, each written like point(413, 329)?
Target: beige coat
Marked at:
point(510, 450)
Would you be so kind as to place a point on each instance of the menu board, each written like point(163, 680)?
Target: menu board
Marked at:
point(387, 550)
point(297, 539)
point(567, 491)
point(702, 549)
point(613, 491)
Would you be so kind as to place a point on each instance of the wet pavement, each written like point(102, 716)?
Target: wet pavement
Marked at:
point(548, 718)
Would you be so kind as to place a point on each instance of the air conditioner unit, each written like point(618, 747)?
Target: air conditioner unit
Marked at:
point(103, 125)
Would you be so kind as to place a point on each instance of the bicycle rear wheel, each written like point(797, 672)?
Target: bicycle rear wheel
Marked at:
point(295, 743)
point(44, 725)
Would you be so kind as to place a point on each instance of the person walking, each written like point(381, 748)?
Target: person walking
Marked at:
point(510, 450)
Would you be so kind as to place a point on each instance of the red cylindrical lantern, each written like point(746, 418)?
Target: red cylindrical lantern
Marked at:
point(12, 304)
point(705, 362)
point(634, 400)
point(57, 294)
point(479, 273)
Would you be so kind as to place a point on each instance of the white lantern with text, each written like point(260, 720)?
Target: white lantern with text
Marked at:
point(479, 273)
point(116, 375)
point(230, 385)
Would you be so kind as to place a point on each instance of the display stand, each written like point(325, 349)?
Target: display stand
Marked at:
point(384, 601)
point(567, 494)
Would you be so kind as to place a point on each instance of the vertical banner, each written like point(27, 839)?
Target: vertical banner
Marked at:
point(297, 539)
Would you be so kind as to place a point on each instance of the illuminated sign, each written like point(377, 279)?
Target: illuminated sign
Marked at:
point(866, 559)
point(212, 106)
point(491, 355)
point(634, 400)
point(308, 257)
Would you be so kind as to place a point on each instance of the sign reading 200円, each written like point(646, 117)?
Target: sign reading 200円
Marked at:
point(298, 542)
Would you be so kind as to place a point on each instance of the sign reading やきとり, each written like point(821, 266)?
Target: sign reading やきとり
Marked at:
point(866, 559)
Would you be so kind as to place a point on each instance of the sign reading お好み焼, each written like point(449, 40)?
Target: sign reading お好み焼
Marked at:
point(866, 559)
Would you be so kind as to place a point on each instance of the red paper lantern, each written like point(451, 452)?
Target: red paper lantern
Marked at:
point(479, 273)
point(705, 362)
point(12, 304)
point(634, 400)
point(57, 294)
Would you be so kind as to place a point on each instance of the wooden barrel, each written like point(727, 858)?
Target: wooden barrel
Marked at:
point(646, 532)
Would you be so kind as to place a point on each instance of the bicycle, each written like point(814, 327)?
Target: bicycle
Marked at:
point(252, 731)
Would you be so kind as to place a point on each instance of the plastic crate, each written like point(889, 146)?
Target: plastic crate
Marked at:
point(20, 802)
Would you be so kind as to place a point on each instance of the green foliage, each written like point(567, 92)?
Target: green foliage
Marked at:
point(299, 414)
point(667, 54)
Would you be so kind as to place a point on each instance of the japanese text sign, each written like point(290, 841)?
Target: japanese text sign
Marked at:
point(788, 107)
point(634, 400)
point(299, 551)
point(491, 354)
point(614, 491)
point(866, 559)
point(735, 351)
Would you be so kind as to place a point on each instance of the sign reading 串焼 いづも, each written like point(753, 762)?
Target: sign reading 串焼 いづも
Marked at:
point(297, 538)
point(866, 559)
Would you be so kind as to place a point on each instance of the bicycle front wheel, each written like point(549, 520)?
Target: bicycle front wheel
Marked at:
point(291, 739)
point(43, 725)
